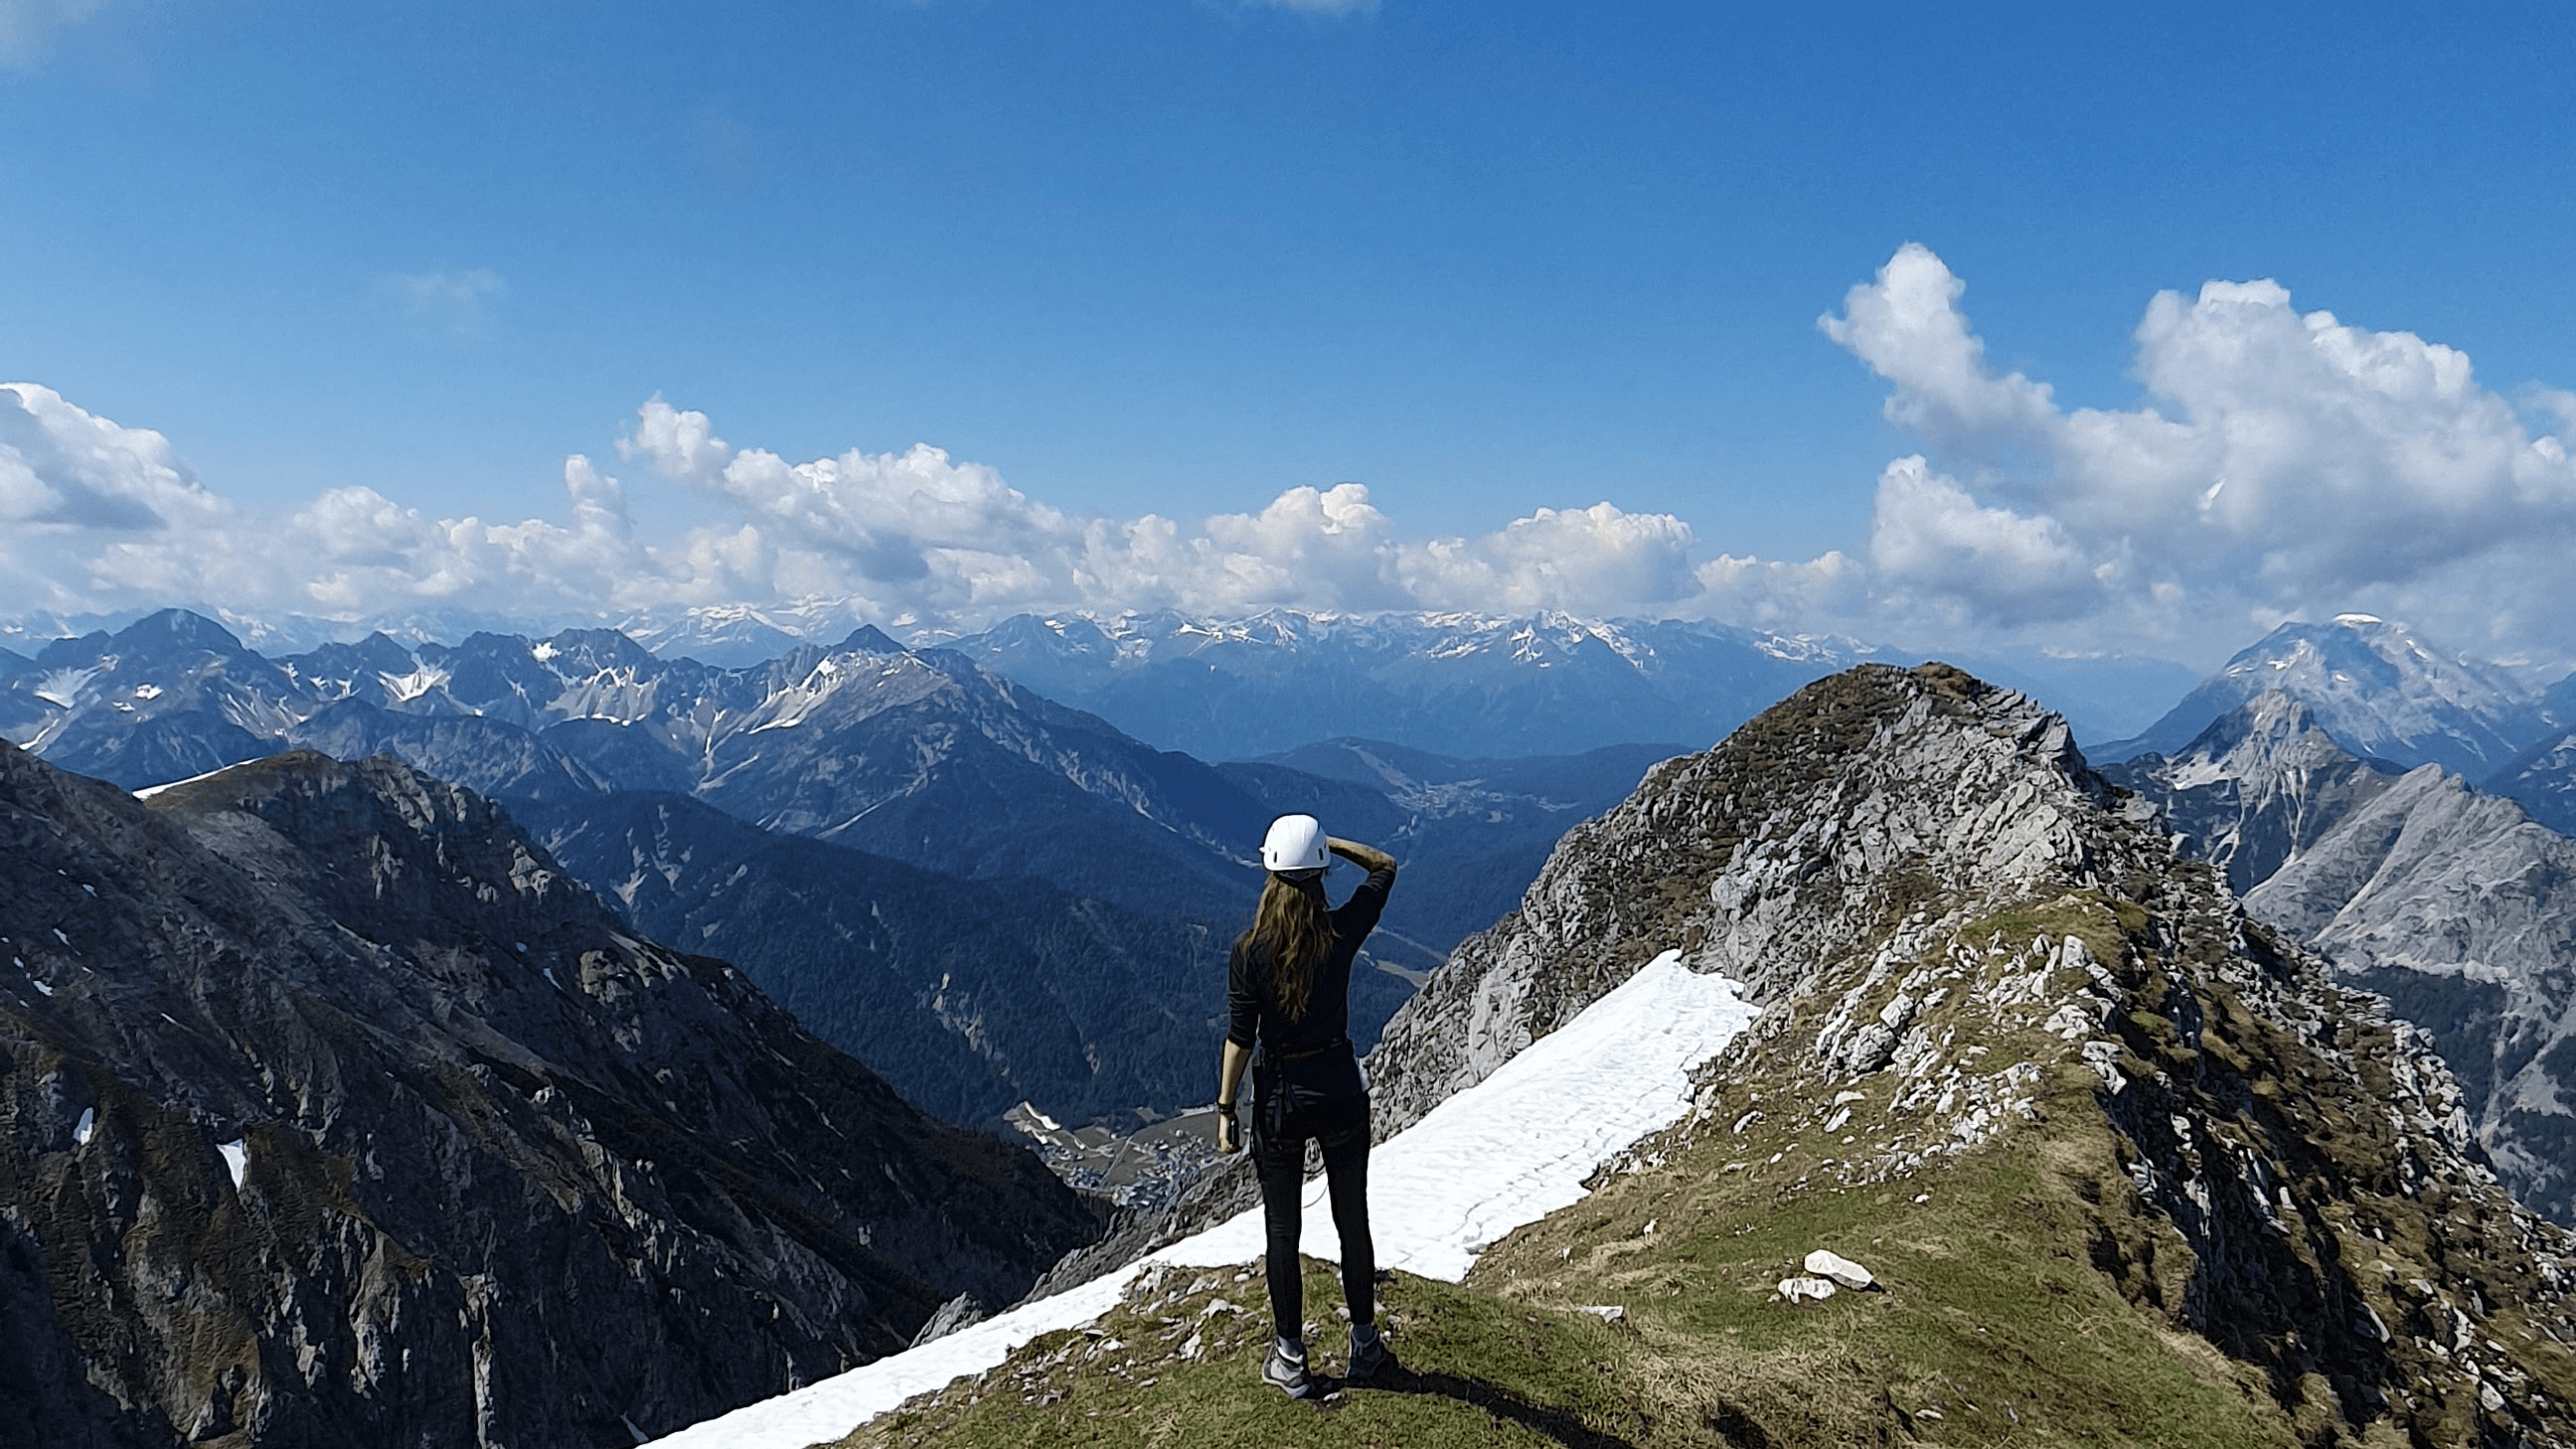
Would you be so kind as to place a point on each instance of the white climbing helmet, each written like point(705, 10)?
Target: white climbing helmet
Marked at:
point(1295, 843)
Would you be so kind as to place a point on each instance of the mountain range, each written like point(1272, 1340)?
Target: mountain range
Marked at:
point(2451, 902)
point(1467, 684)
point(2130, 1162)
point(337, 1114)
point(2376, 687)
point(1052, 855)
point(2036, 1137)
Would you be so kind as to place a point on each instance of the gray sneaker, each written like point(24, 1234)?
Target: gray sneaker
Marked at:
point(1286, 1368)
point(1369, 1355)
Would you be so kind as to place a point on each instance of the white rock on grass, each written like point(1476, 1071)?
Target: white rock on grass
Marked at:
point(1825, 1263)
point(1795, 1289)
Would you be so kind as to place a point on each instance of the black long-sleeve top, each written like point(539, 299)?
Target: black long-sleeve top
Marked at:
point(1252, 1015)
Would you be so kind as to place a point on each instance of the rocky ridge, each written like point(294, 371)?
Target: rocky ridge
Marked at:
point(1963, 939)
point(335, 1113)
point(2461, 910)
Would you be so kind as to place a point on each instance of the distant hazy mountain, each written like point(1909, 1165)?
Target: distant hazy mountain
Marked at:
point(732, 637)
point(2453, 904)
point(2102, 697)
point(2372, 685)
point(1455, 684)
point(1470, 685)
point(337, 1115)
point(2543, 777)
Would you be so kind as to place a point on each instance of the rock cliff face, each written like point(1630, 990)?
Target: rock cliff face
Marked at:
point(1961, 936)
point(2461, 910)
point(333, 1113)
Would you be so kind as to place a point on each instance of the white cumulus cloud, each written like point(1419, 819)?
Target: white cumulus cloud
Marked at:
point(909, 538)
point(2282, 463)
point(2279, 464)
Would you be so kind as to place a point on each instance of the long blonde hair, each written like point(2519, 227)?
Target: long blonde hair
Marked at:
point(1296, 924)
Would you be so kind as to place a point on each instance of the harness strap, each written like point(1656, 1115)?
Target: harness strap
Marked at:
point(1341, 1043)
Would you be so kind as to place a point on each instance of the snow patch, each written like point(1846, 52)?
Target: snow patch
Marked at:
point(236, 1155)
point(63, 686)
point(86, 1127)
point(148, 791)
point(407, 687)
point(1505, 1152)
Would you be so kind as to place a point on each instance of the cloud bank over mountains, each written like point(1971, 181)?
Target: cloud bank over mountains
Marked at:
point(2286, 464)
point(2283, 464)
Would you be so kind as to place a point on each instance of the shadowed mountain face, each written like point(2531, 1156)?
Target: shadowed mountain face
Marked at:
point(2372, 685)
point(968, 995)
point(2543, 777)
point(2453, 904)
point(336, 1114)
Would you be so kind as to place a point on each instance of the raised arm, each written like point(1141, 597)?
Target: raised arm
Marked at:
point(1366, 857)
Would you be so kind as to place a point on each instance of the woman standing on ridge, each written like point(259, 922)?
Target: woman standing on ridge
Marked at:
point(1288, 989)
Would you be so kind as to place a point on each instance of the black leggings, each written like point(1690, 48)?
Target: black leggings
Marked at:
point(1282, 1166)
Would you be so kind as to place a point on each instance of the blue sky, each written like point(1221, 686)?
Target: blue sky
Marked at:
point(1174, 257)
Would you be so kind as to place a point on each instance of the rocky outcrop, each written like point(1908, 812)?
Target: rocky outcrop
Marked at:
point(335, 1114)
point(1957, 932)
point(1791, 840)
